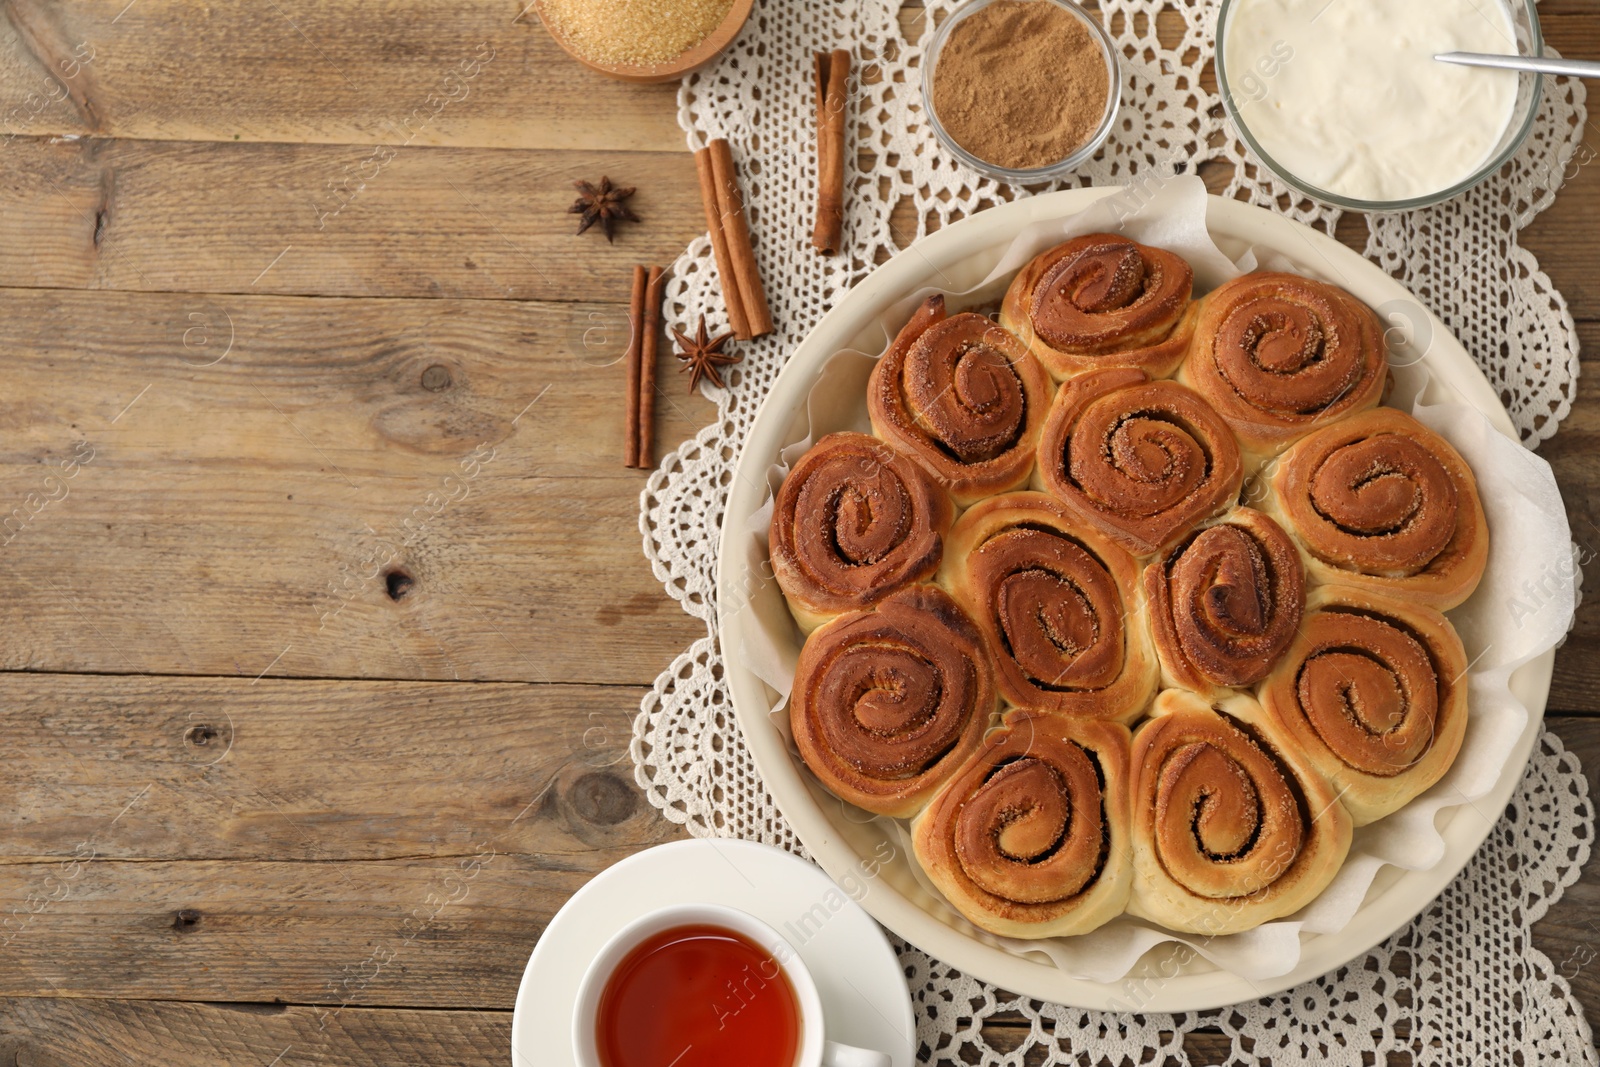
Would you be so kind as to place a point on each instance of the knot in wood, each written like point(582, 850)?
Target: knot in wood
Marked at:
point(200, 734)
point(436, 378)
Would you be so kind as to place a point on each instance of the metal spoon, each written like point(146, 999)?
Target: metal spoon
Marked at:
point(1575, 68)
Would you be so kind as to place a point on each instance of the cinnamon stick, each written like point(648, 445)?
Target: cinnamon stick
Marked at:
point(747, 276)
point(737, 322)
point(635, 359)
point(832, 82)
point(647, 380)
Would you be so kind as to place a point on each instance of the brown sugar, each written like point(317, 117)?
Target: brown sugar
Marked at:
point(635, 31)
point(1021, 84)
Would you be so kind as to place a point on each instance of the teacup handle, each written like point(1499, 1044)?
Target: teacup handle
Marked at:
point(837, 1055)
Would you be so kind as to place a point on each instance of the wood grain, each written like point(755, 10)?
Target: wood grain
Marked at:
point(353, 72)
point(1572, 454)
point(410, 932)
point(215, 769)
point(330, 220)
point(342, 842)
point(1569, 934)
point(319, 822)
point(46, 1032)
point(336, 220)
point(240, 508)
point(356, 72)
point(371, 210)
point(352, 219)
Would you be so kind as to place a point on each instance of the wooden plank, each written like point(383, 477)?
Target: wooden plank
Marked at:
point(91, 1033)
point(345, 819)
point(45, 1032)
point(354, 73)
point(1575, 687)
point(235, 770)
point(1206, 1048)
point(477, 73)
point(1574, 455)
point(1569, 934)
point(107, 1033)
point(452, 223)
point(489, 805)
point(338, 220)
point(236, 511)
point(442, 932)
point(61, 1032)
point(330, 220)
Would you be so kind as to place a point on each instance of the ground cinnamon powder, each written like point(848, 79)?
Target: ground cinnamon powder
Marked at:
point(1020, 83)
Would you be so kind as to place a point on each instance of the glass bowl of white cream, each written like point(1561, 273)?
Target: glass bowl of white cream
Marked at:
point(1343, 99)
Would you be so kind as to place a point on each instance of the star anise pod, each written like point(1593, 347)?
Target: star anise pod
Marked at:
point(601, 203)
point(702, 355)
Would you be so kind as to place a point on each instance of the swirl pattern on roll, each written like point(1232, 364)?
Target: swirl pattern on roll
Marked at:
point(1382, 502)
point(1101, 300)
point(854, 521)
point(1278, 355)
point(1225, 603)
point(887, 703)
point(1141, 461)
point(1373, 691)
point(964, 398)
point(1030, 837)
point(1230, 828)
point(1080, 557)
point(1058, 607)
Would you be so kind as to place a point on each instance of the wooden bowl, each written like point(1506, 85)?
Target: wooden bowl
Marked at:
point(672, 69)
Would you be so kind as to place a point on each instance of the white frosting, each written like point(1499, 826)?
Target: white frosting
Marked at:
point(1347, 97)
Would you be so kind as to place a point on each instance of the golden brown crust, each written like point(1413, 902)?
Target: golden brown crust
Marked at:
point(1279, 355)
point(1101, 300)
point(1225, 602)
point(1030, 837)
point(1058, 606)
point(1141, 461)
point(1373, 692)
point(1381, 502)
point(887, 703)
point(854, 521)
point(1231, 828)
point(964, 398)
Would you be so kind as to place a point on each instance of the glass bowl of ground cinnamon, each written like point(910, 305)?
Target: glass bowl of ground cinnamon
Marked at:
point(1024, 91)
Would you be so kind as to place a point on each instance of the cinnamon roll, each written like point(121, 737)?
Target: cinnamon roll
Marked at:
point(1225, 602)
point(1231, 828)
point(1381, 502)
point(1030, 837)
point(1140, 461)
point(1374, 693)
point(854, 521)
point(964, 398)
point(1279, 355)
point(887, 703)
point(1057, 605)
point(1101, 301)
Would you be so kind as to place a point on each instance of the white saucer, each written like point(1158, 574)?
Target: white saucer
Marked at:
point(864, 996)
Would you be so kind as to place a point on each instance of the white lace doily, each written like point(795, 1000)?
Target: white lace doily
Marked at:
point(1464, 982)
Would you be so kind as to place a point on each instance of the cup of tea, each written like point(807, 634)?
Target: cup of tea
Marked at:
point(701, 985)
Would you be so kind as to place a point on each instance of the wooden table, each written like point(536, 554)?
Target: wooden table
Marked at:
point(324, 614)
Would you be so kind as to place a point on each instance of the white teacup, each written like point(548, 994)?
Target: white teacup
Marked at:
point(815, 1049)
